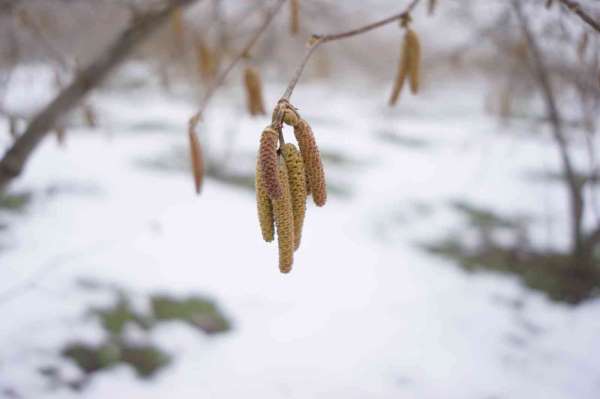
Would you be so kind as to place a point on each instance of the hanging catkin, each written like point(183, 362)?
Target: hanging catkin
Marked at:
point(178, 27)
point(264, 208)
point(294, 16)
point(197, 161)
point(403, 68)
point(254, 95)
point(315, 175)
point(206, 61)
point(297, 181)
point(284, 221)
point(267, 158)
point(414, 49)
point(409, 66)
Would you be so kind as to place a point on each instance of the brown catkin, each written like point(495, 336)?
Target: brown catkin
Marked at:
point(178, 27)
point(297, 181)
point(197, 161)
point(315, 176)
point(414, 50)
point(403, 68)
point(294, 16)
point(264, 208)
point(284, 221)
point(267, 159)
point(254, 94)
point(206, 61)
point(409, 66)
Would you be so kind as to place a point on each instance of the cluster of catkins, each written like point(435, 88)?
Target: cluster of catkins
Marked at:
point(285, 176)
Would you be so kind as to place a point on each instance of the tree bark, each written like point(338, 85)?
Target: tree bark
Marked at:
point(15, 159)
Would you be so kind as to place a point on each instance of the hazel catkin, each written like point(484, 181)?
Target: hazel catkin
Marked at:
point(264, 208)
point(409, 66)
point(294, 16)
point(284, 220)
point(254, 94)
point(297, 182)
point(267, 159)
point(315, 176)
point(414, 50)
point(197, 160)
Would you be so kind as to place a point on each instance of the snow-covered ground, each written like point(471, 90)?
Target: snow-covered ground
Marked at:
point(364, 314)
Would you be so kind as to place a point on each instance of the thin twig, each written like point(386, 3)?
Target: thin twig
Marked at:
point(218, 82)
point(317, 40)
point(575, 8)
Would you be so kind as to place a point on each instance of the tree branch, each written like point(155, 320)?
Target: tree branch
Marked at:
point(540, 71)
point(575, 8)
point(218, 82)
point(317, 40)
point(13, 162)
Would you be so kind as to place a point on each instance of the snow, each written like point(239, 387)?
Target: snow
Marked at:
point(361, 315)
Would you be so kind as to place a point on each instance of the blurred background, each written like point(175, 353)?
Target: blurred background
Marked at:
point(458, 255)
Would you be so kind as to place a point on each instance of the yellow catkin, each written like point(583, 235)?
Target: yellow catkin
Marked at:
point(254, 93)
point(284, 221)
point(297, 180)
point(294, 16)
point(414, 68)
point(264, 208)
point(315, 175)
point(197, 161)
point(403, 68)
point(178, 26)
point(267, 159)
point(206, 61)
point(409, 66)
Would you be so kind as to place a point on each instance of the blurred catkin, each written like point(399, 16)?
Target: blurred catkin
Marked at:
point(403, 67)
point(414, 49)
point(294, 16)
point(264, 208)
point(267, 159)
point(197, 160)
point(206, 61)
point(284, 221)
point(297, 181)
point(315, 175)
point(254, 94)
point(409, 66)
point(178, 29)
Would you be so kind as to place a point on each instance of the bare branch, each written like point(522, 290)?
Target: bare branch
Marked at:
point(317, 40)
point(541, 73)
point(13, 162)
point(218, 82)
point(575, 7)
